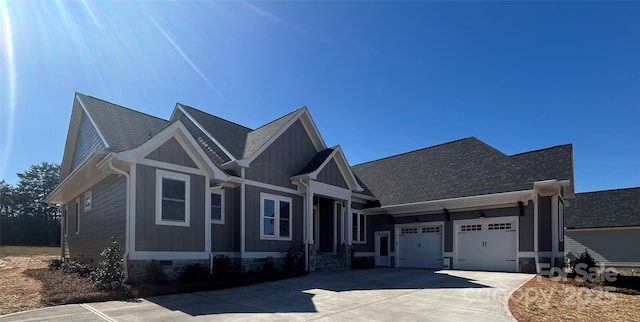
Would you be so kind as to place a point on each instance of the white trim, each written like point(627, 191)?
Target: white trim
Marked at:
point(66, 220)
point(162, 174)
point(92, 122)
point(243, 207)
point(168, 255)
point(231, 157)
point(436, 206)
point(337, 216)
point(77, 217)
point(132, 208)
point(568, 230)
point(343, 167)
point(397, 227)
point(457, 223)
point(560, 228)
point(554, 224)
point(277, 199)
point(376, 245)
point(329, 190)
point(360, 215)
point(533, 254)
point(89, 194)
point(207, 215)
point(171, 166)
point(221, 192)
point(263, 185)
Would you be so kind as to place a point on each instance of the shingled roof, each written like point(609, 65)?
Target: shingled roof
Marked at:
point(461, 168)
point(609, 208)
point(554, 162)
point(261, 135)
point(316, 161)
point(121, 127)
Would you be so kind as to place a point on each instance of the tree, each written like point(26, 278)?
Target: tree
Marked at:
point(6, 198)
point(33, 187)
point(110, 270)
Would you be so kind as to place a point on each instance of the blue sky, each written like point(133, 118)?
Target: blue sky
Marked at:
point(379, 78)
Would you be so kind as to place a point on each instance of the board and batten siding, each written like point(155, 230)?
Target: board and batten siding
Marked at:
point(152, 237)
point(88, 141)
point(284, 158)
point(172, 152)
point(331, 175)
point(253, 243)
point(106, 218)
point(375, 223)
point(544, 224)
point(226, 237)
point(617, 246)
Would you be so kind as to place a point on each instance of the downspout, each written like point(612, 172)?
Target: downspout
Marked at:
point(243, 198)
point(210, 253)
point(535, 231)
point(304, 223)
point(128, 214)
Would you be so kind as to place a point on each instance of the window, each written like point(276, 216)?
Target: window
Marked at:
point(275, 215)
point(65, 223)
point(217, 206)
point(500, 226)
point(88, 200)
point(358, 229)
point(408, 231)
point(470, 227)
point(77, 216)
point(172, 198)
point(430, 229)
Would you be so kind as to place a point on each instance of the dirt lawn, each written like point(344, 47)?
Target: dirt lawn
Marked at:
point(17, 291)
point(541, 299)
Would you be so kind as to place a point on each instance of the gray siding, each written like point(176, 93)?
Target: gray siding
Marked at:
point(106, 218)
point(617, 246)
point(376, 223)
point(172, 152)
point(544, 224)
point(226, 237)
point(253, 243)
point(152, 237)
point(526, 229)
point(88, 140)
point(331, 175)
point(284, 158)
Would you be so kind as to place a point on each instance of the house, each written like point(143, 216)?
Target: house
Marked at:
point(188, 189)
point(607, 225)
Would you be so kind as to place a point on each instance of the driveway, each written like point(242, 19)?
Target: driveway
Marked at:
point(367, 295)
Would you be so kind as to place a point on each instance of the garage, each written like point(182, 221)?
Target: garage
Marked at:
point(419, 245)
point(486, 244)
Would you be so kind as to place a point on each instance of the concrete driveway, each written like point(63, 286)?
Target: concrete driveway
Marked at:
point(375, 294)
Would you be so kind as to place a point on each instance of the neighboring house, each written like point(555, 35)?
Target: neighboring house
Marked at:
point(195, 186)
point(607, 225)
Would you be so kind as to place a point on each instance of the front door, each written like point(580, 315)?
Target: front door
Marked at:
point(382, 248)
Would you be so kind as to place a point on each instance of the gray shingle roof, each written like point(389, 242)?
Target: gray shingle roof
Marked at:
point(122, 128)
point(554, 162)
point(610, 208)
point(239, 140)
point(316, 161)
point(231, 136)
point(262, 134)
point(456, 169)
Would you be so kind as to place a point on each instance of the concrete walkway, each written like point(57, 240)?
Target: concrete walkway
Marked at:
point(367, 295)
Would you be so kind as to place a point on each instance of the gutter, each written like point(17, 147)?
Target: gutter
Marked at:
point(210, 254)
point(125, 257)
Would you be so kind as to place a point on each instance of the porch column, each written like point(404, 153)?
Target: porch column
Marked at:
point(349, 222)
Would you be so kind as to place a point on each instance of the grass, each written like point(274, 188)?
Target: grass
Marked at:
point(29, 251)
point(542, 299)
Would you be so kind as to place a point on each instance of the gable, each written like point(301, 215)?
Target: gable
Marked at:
point(172, 152)
point(283, 158)
point(211, 149)
point(331, 175)
point(87, 142)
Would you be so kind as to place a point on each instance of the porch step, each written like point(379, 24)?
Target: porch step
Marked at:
point(330, 262)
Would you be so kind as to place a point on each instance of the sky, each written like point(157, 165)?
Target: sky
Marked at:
point(379, 78)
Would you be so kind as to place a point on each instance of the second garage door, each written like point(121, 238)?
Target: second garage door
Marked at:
point(486, 245)
point(420, 246)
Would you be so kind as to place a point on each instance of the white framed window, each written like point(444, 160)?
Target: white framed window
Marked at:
point(359, 227)
point(65, 218)
point(88, 200)
point(173, 194)
point(217, 206)
point(275, 217)
point(77, 211)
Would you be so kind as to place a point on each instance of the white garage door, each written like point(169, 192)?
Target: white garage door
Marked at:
point(488, 246)
point(420, 246)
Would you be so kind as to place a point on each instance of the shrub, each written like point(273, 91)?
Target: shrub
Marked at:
point(195, 273)
point(109, 273)
point(221, 264)
point(76, 268)
point(585, 258)
point(54, 264)
point(268, 265)
point(290, 258)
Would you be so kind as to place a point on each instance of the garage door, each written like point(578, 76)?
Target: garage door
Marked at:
point(420, 246)
point(487, 246)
